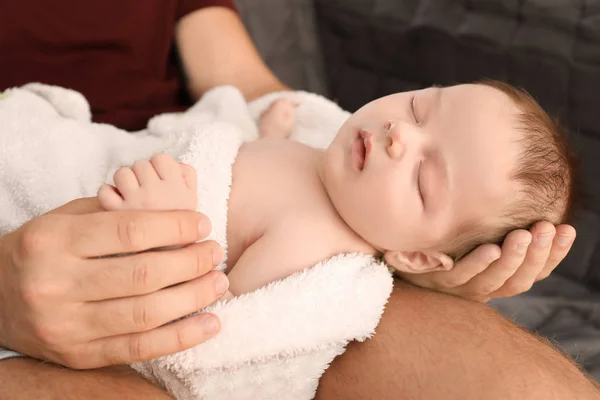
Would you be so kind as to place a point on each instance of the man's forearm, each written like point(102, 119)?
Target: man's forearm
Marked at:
point(428, 346)
point(216, 50)
point(434, 346)
point(25, 379)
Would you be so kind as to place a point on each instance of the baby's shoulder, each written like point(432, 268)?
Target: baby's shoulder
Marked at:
point(295, 243)
point(310, 237)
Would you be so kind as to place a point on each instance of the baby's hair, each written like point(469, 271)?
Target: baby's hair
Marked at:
point(545, 172)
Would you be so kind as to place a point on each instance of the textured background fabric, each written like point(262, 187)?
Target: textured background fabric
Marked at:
point(286, 36)
point(358, 50)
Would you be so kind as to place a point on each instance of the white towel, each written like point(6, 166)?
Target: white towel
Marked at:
point(275, 342)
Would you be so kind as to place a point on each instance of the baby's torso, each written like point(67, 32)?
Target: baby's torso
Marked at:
point(279, 210)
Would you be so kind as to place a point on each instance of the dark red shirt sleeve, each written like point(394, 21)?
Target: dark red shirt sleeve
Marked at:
point(188, 6)
point(119, 53)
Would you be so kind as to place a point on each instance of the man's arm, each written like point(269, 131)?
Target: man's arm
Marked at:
point(25, 378)
point(435, 346)
point(217, 50)
point(428, 346)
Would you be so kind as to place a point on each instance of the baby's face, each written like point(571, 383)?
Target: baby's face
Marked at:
point(445, 161)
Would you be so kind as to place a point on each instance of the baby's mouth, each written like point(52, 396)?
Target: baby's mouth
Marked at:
point(361, 149)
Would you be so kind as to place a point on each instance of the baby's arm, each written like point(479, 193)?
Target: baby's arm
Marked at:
point(278, 120)
point(276, 255)
point(159, 184)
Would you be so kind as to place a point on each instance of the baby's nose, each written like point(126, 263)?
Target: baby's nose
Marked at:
point(395, 145)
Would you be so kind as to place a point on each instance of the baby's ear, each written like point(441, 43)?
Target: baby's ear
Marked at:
point(419, 262)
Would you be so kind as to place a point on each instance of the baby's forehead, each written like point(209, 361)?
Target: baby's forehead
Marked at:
point(490, 95)
point(477, 115)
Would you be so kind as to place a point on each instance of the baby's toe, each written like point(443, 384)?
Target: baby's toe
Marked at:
point(166, 167)
point(189, 175)
point(144, 172)
point(110, 198)
point(126, 181)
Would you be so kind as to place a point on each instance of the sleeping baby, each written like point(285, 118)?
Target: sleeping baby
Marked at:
point(419, 178)
point(415, 179)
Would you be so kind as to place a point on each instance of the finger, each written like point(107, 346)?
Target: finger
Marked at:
point(117, 232)
point(143, 273)
point(144, 313)
point(561, 245)
point(535, 259)
point(471, 265)
point(144, 172)
point(126, 181)
point(166, 167)
point(109, 197)
point(539, 250)
point(513, 253)
point(167, 339)
point(85, 205)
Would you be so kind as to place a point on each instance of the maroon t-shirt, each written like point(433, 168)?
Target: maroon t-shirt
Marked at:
point(119, 53)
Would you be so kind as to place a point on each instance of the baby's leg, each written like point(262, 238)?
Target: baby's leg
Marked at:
point(158, 184)
point(278, 119)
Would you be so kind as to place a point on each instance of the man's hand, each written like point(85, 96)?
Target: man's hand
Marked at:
point(61, 300)
point(490, 272)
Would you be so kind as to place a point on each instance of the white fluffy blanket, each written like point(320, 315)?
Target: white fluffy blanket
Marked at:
point(276, 342)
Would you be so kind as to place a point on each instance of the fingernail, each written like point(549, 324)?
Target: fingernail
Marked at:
point(217, 256)
point(545, 239)
point(493, 258)
point(204, 226)
point(210, 324)
point(522, 247)
point(564, 240)
point(221, 285)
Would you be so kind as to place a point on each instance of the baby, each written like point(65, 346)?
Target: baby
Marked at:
point(420, 178)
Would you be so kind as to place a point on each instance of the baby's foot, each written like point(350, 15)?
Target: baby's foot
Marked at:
point(278, 119)
point(159, 184)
